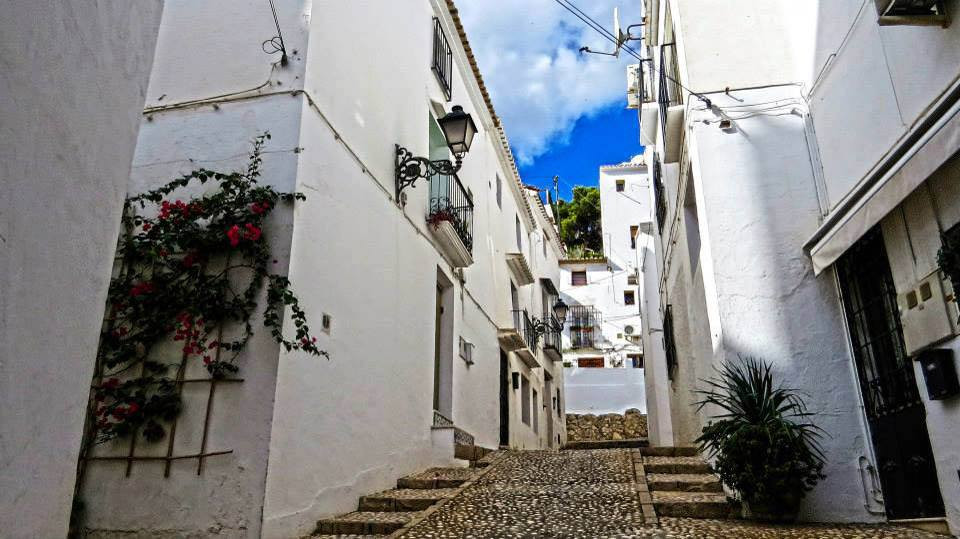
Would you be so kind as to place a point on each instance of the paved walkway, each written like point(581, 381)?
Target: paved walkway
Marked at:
point(592, 494)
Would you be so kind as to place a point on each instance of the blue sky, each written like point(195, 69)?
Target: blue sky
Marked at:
point(563, 111)
point(607, 137)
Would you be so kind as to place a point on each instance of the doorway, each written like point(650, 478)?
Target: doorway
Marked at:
point(504, 399)
point(443, 348)
point(894, 409)
point(548, 417)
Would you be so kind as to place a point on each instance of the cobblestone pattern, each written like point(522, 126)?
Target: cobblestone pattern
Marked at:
point(545, 494)
point(630, 425)
point(592, 495)
point(685, 528)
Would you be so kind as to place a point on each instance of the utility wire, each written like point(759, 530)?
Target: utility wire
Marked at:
point(275, 44)
point(572, 8)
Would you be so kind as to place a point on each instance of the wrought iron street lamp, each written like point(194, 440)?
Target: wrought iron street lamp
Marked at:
point(559, 313)
point(458, 129)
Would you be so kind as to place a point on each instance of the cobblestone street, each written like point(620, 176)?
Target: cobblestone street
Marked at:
point(592, 494)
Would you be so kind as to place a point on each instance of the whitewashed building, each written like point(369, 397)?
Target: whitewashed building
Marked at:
point(71, 92)
point(804, 169)
point(438, 336)
point(603, 329)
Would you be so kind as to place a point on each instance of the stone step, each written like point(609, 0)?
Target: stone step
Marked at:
point(684, 482)
point(607, 444)
point(683, 451)
point(346, 536)
point(437, 478)
point(364, 523)
point(404, 499)
point(675, 465)
point(693, 505)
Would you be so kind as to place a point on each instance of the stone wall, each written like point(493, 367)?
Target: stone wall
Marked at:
point(630, 424)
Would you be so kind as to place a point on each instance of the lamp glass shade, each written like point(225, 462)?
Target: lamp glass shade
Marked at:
point(560, 310)
point(459, 129)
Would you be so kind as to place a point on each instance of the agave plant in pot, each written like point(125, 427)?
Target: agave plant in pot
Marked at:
point(762, 442)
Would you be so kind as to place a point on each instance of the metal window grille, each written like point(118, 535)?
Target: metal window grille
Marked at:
point(442, 59)
point(659, 193)
point(669, 343)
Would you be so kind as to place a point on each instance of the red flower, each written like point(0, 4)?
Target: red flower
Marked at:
point(234, 235)
point(147, 226)
point(133, 408)
point(253, 233)
point(189, 260)
point(111, 383)
point(141, 288)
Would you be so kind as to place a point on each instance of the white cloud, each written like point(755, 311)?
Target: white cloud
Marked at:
point(528, 53)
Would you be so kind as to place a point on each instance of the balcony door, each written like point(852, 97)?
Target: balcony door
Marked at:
point(891, 398)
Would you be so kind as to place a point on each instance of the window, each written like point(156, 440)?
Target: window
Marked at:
point(559, 406)
point(499, 192)
point(636, 360)
point(590, 362)
point(535, 412)
point(578, 278)
point(524, 400)
point(669, 344)
point(442, 64)
point(659, 196)
point(634, 229)
point(519, 234)
point(629, 297)
point(620, 185)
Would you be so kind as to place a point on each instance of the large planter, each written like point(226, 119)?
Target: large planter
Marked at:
point(780, 513)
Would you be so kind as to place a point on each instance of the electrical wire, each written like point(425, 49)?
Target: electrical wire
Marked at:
point(589, 21)
point(275, 44)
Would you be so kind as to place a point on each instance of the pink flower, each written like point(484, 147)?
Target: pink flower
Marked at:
point(234, 235)
point(253, 233)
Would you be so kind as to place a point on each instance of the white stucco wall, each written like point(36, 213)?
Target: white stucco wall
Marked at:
point(874, 86)
point(72, 85)
point(604, 391)
point(757, 202)
point(318, 434)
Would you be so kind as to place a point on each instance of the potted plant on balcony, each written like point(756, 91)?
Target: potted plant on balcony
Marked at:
point(764, 446)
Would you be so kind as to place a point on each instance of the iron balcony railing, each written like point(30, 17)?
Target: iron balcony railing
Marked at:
point(521, 322)
point(449, 201)
point(442, 59)
point(668, 91)
point(551, 338)
point(584, 323)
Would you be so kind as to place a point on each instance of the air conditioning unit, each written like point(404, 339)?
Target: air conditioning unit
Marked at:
point(633, 78)
point(628, 330)
point(911, 11)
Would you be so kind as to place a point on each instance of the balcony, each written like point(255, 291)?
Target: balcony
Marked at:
point(518, 265)
point(552, 343)
point(584, 323)
point(670, 102)
point(450, 218)
point(520, 338)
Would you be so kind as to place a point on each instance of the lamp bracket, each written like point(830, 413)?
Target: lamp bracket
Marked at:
point(410, 168)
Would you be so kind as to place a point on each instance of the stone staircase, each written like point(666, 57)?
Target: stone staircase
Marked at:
point(383, 513)
point(682, 484)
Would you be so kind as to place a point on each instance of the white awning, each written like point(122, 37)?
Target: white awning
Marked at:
point(856, 217)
